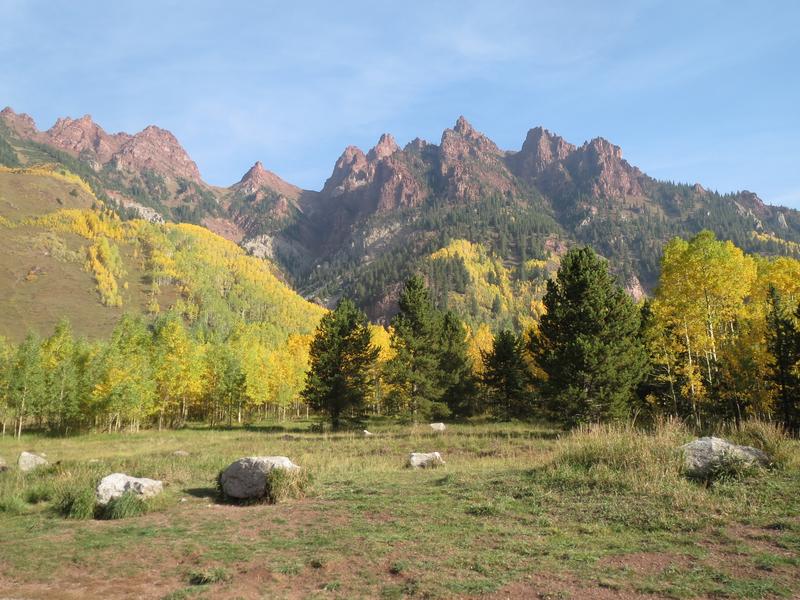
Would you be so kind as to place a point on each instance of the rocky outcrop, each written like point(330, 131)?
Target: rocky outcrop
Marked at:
point(246, 478)
point(424, 460)
point(704, 456)
point(257, 178)
point(540, 150)
point(158, 150)
point(115, 485)
point(84, 137)
point(20, 124)
point(28, 461)
point(471, 166)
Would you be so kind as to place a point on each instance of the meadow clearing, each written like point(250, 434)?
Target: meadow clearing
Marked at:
point(519, 511)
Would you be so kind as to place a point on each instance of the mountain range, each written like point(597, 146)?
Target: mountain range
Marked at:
point(387, 212)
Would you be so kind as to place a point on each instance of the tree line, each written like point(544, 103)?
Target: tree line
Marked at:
point(719, 341)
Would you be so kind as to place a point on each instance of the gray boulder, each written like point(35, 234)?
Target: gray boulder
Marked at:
point(438, 427)
point(704, 455)
point(115, 485)
point(246, 478)
point(28, 461)
point(425, 460)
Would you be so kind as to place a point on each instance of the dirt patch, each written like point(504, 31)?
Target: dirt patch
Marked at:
point(556, 587)
point(646, 563)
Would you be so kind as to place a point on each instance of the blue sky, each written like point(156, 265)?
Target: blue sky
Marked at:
point(692, 91)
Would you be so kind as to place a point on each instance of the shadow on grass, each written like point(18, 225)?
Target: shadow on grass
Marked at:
point(202, 492)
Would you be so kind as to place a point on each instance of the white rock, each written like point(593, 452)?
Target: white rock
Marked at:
point(115, 485)
point(425, 460)
point(246, 478)
point(438, 426)
point(180, 453)
point(366, 433)
point(705, 454)
point(28, 461)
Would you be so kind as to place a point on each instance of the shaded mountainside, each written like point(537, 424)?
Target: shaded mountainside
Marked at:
point(387, 212)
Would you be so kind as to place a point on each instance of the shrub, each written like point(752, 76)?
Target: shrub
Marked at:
point(215, 575)
point(764, 435)
point(127, 505)
point(41, 492)
point(12, 505)
point(75, 502)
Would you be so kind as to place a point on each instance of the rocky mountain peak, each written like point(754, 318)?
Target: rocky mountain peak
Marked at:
point(540, 150)
point(158, 150)
point(83, 135)
point(20, 123)
point(258, 177)
point(386, 146)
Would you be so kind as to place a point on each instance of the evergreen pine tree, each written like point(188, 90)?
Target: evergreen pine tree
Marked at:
point(342, 360)
point(783, 344)
point(414, 371)
point(507, 377)
point(455, 368)
point(588, 343)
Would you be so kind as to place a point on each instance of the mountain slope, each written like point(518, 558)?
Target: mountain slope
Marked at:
point(383, 213)
point(63, 254)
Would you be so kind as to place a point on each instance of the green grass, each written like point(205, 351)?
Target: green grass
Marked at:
point(513, 501)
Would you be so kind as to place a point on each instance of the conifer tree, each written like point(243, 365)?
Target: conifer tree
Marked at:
point(507, 377)
point(588, 343)
point(783, 343)
point(414, 372)
point(342, 360)
point(455, 368)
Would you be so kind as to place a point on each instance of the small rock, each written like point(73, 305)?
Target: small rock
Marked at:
point(246, 478)
point(28, 461)
point(425, 460)
point(366, 433)
point(115, 485)
point(183, 500)
point(288, 437)
point(180, 453)
point(704, 455)
point(438, 427)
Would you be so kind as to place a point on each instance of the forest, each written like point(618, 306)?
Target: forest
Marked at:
point(717, 342)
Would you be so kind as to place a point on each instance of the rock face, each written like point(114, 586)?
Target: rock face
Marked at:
point(246, 478)
point(704, 455)
point(425, 460)
point(258, 177)
point(29, 461)
point(438, 427)
point(115, 485)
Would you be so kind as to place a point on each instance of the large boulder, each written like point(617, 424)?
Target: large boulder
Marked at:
point(425, 460)
point(438, 427)
point(705, 455)
point(246, 478)
point(28, 461)
point(115, 485)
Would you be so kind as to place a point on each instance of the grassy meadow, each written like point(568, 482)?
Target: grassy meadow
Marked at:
point(519, 511)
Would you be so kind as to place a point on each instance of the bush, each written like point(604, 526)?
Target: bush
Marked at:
point(764, 435)
point(75, 502)
point(13, 505)
point(126, 506)
point(215, 575)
